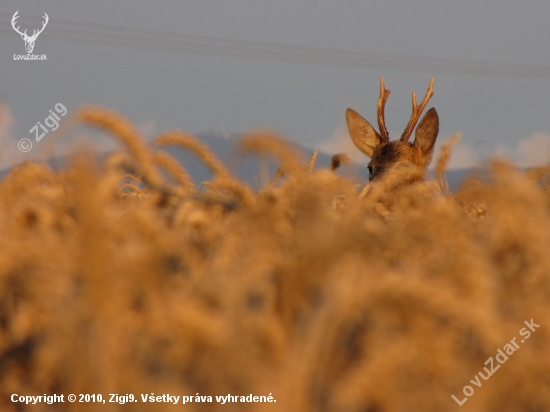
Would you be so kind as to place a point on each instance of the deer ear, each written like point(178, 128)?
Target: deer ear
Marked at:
point(426, 133)
point(362, 133)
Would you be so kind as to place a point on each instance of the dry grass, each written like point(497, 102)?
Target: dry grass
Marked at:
point(383, 299)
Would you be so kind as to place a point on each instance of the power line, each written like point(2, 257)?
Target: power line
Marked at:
point(91, 33)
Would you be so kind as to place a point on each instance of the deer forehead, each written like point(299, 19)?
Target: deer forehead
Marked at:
point(393, 152)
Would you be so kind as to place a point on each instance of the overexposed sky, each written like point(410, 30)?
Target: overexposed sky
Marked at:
point(286, 65)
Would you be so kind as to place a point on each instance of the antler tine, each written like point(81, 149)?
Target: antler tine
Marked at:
point(417, 111)
point(15, 17)
point(381, 103)
point(43, 25)
point(13, 23)
point(47, 19)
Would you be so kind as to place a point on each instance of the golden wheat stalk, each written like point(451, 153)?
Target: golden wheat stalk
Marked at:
point(312, 161)
point(365, 191)
point(132, 187)
point(211, 186)
point(132, 177)
point(122, 129)
point(443, 162)
point(269, 143)
point(222, 176)
point(338, 160)
point(176, 170)
point(191, 143)
point(536, 173)
point(238, 188)
point(396, 177)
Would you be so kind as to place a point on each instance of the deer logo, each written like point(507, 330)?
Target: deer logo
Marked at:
point(29, 40)
point(385, 154)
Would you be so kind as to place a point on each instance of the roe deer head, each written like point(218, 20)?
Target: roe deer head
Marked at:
point(29, 40)
point(385, 154)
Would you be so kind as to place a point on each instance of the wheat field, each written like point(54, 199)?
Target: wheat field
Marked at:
point(126, 277)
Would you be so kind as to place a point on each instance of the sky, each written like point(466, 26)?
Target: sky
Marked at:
point(291, 66)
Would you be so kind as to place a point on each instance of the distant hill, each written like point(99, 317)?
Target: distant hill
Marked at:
point(248, 168)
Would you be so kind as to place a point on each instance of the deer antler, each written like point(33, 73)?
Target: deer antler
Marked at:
point(417, 111)
point(35, 34)
point(15, 17)
point(24, 34)
point(385, 137)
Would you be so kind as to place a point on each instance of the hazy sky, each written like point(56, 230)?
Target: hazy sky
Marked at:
point(292, 66)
